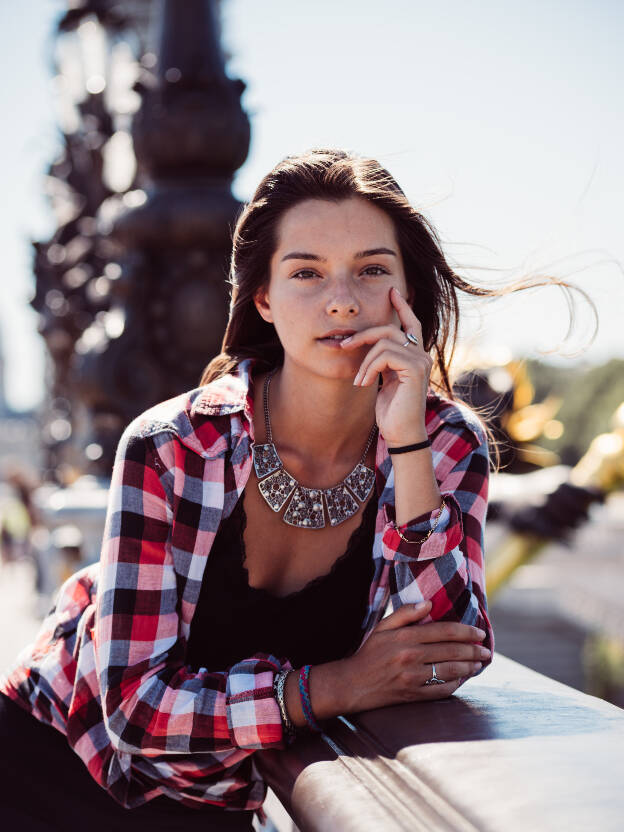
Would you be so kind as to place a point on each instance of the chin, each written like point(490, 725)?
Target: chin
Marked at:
point(338, 370)
point(344, 373)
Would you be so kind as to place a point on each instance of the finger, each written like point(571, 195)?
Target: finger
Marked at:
point(407, 316)
point(375, 351)
point(432, 631)
point(371, 335)
point(402, 364)
point(451, 671)
point(454, 651)
point(407, 614)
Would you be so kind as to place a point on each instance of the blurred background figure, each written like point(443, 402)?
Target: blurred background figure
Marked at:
point(18, 516)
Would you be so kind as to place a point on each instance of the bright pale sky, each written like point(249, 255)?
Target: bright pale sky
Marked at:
point(503, 122)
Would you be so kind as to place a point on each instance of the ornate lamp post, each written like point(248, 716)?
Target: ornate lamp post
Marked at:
point(171, 237)
point(131, 288)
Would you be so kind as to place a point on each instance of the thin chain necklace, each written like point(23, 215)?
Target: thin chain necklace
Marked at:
point(305, 509)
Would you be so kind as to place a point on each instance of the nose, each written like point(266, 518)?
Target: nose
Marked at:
point(343, 302)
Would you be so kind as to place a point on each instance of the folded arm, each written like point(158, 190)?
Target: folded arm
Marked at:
point(152, 703)
point(443, 560)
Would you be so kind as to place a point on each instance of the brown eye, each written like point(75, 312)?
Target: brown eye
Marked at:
point(305, 274)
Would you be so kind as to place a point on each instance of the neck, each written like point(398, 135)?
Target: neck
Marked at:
point(318, 418)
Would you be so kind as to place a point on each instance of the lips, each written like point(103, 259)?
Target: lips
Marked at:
point(337, 334)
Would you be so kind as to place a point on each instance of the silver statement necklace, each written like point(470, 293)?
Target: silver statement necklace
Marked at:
point(305, 509)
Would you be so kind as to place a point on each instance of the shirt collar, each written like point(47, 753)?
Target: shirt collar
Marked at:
point(233, 393)
point(228, 394)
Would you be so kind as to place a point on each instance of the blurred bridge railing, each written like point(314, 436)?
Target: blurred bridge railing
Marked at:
point(511, 750)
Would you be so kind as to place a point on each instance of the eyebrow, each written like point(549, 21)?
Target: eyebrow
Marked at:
point(359, 255)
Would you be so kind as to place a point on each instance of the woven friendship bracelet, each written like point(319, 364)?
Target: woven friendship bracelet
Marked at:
point(306, 705)
point(429, 533)
point(278, 689)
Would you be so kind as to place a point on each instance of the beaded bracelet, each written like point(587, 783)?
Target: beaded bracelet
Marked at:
point(306, 705)
point(278, 689)
point(431, 530)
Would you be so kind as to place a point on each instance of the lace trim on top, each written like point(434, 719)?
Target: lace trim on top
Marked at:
point(353, 545)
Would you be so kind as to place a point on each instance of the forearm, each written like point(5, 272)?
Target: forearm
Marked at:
point(416, 490)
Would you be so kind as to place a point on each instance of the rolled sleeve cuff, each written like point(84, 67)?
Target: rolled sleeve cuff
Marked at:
point(253, 715)
point(447, 535)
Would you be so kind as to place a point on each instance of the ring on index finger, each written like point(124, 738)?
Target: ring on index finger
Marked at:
point(411, 339)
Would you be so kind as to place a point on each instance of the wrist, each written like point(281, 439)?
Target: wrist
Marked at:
point(414, 436)
point(329, 692)
point(330, 689)
point(292, 700)
point(279, 683)
point(414, 446)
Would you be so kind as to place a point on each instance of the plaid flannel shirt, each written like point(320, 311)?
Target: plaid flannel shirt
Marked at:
point(107, 668)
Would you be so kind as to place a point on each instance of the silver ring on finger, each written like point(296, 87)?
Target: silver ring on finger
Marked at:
point(435, 680)
point(411, 339)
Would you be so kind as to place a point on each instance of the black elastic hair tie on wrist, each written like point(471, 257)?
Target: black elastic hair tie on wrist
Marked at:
point(405, 448)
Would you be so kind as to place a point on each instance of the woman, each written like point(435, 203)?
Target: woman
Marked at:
point(260, 526)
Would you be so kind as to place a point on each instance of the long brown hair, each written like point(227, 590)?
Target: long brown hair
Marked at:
point(332, 174)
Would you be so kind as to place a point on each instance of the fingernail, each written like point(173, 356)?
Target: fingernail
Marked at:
point(356, 380)
point(480, 633)
point(484, 653)
point(346, 340)
point(477, 666)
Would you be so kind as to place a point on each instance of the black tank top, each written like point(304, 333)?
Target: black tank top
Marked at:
point(319, 623)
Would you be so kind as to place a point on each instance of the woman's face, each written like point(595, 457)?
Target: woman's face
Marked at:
point(331, 272)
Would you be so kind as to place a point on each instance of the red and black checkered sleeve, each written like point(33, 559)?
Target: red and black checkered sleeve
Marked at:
point(152, 703)
point(448, 567)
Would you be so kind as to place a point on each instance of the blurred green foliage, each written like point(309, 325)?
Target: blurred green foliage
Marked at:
point(590, 395)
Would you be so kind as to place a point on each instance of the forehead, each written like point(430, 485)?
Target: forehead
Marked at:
point(349, 221)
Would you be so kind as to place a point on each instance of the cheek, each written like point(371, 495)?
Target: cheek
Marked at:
point(288, 317)
point(379, 297)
